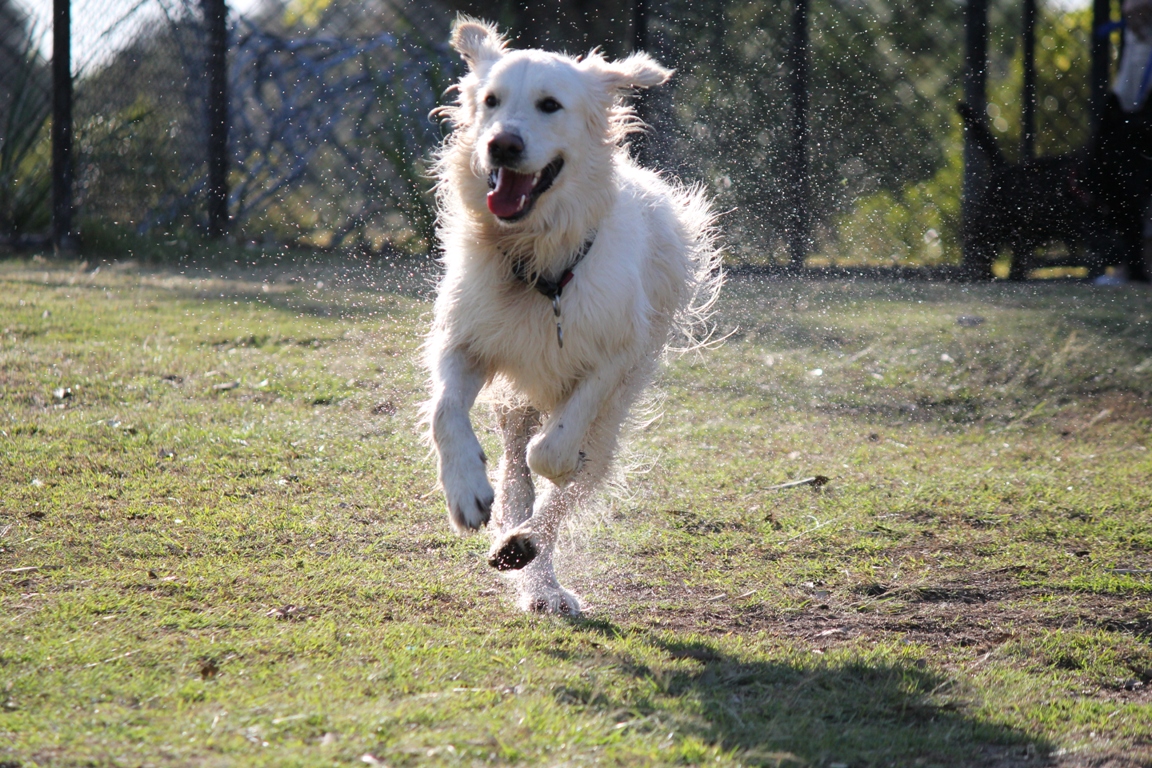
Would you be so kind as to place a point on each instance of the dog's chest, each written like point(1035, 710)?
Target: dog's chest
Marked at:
point(521, 332)
point(514, 328)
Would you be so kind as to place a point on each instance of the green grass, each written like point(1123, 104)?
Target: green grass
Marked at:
point(221, 544)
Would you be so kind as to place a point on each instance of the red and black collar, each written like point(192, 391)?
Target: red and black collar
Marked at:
point(551, 288)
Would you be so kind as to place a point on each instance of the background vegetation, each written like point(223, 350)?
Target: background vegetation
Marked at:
point(25, 104)
point(884, 155)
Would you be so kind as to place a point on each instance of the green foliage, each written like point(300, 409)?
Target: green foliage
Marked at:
point(129, 162)
point(877, 87)
point(410, 194)
point(25, 149)
point(885, 146)
point(916, 225)
point(919, 223)
point(1063, 63)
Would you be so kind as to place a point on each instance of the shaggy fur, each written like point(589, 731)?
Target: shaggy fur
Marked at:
point(652, 269)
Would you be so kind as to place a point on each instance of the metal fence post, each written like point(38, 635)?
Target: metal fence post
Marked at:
point(977, 262)
point(61, 124)
point(640, 26)
point(216, 24)
point(797, 217)
point(1098, 77)
point(1028, 111)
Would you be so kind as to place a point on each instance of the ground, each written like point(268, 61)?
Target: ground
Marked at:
point(221, 541)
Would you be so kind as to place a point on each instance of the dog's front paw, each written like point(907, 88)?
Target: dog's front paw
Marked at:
point(553, 599)
point(468, 493)
point(554, 457)
point(513, 552)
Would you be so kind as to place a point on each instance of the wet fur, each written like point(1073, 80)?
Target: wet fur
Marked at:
point(653, 269)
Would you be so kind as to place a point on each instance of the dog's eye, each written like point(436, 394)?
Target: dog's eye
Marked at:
point(491, 101)
point(549, 105)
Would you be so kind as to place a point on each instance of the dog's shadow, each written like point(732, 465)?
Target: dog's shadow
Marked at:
point(801, 709)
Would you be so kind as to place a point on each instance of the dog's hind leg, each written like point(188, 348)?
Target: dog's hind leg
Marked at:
point(528, 550)
point(515, 492)
point(519, 546)
point(529, 547)
point(537, 585)
point(539, 590)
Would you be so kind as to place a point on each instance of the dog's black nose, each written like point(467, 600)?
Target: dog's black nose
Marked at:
point(506, 148)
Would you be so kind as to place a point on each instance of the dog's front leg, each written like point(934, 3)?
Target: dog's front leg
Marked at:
point(555, 451)
point(456, 381)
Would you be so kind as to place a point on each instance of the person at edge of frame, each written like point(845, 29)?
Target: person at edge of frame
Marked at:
point(1131, 86)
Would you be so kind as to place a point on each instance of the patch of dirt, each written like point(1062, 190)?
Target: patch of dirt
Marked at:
point(1096, 761)
point(694, 523)
point(991, 756)
point(1126, 694)
point(1107, 407)
point(1139, 625)
point(979, 614)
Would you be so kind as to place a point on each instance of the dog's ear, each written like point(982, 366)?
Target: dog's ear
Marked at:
point(477, 41)
point(637, 71)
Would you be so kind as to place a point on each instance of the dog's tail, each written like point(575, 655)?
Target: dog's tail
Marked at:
point(980, 134)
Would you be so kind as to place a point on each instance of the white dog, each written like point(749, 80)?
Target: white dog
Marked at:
point(566, 268)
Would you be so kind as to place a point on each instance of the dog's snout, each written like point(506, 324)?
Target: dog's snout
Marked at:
point(506, 148)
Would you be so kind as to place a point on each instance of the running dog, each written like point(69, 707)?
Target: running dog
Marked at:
point(567, 268)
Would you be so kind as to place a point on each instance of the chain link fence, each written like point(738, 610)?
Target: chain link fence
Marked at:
point(329, 129)
point(328, 118)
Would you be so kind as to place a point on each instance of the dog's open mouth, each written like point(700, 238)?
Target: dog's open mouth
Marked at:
point(513, 194)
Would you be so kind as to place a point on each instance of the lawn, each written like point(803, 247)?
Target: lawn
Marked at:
point(221, 542)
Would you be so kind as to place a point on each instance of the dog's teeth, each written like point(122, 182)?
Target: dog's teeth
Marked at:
point(536, 179)
point(523, 201)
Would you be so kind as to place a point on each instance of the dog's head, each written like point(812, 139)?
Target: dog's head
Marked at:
point(535, 121)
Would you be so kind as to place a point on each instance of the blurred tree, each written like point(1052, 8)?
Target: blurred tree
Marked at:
point(140, 129)
point(1062, 67)
point(363, 169)
point(25, 108)
point(575, 26)
point(885, 75)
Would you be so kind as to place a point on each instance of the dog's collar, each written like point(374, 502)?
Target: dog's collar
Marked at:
point(551, 289)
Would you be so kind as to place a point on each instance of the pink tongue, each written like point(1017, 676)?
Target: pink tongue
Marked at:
point(504, 201)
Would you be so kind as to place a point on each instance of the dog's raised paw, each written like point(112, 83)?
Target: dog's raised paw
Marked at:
point(472, 515)
point(549, 456)
point(512, 554)
point(467, 491)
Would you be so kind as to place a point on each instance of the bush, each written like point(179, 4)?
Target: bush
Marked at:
point(25, 147)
